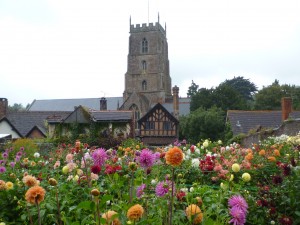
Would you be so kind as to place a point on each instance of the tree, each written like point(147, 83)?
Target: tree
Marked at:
point(203, 98)
point(226, 97)
point(16, 108)
point(203, 124)
point(246, 88)
point(193, 89)
point(269, 98)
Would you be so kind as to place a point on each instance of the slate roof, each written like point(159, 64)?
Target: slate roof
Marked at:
point(24, 122)
point(70, 104)
point(94, 103)
point(110, 115)
point(184, 106)
point(244, 121)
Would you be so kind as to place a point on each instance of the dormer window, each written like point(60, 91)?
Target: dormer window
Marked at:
point(144, 46)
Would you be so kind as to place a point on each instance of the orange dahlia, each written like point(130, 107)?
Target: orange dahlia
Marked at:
point(193, 211)
point(108, 217)
point(276, 152)
point(262, 152)
point(2, 185)
point(174, 156)
point(272, 159)
point(135, 212)
point(35, 194)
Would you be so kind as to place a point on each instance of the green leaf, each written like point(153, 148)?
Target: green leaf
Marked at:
point(75, 223)
point(85, 205)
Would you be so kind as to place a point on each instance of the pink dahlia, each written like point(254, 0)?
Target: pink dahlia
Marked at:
point(163, 187)
point(146, 158)
point(140, 190)
point(99, 156)
point(239, 202)
point(238, 216)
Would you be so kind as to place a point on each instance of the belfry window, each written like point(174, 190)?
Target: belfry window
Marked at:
point(144, 85)
point(144, 46)
point(144, 65)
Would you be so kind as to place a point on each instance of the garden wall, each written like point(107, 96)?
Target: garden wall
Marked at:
point(289, 127)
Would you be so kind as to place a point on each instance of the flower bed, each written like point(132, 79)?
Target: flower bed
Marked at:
point(206, 183)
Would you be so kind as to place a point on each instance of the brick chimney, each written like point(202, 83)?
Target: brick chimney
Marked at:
point(103, 104)
point(176, 101)
point(3, 107)
point(286, 107)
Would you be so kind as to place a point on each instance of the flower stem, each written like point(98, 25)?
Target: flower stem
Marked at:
point(29, 216)
point(172, 196)
point(38, 208)
point(98, 210)
point(58, 207)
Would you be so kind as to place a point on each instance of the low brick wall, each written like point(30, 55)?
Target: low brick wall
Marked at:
point(289, 127)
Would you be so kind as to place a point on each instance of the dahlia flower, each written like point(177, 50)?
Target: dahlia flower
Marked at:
point(174, 156)
point(194, 212)
point(146, 158)
point(135, 212)
point(35, 195)
point(99, 156)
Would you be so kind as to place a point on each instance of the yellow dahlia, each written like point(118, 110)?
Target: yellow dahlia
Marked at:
point(174, 156)
point(108, 217)
point(35, 194)
point(135, 212)
point(235, 167)
point(193, 211)
point(9, 185)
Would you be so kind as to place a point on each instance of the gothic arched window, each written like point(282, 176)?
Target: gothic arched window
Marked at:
point(136, 115)
point(144, 65)
point(144, 45)
point(144, 85)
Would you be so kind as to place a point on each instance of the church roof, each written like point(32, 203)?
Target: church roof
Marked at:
point(69, 104)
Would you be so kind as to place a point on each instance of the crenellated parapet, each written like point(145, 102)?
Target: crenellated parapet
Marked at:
point(151, 27)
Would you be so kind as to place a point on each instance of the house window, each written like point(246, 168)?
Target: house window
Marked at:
point(144, 65)
point(167, 125)
point(144, 85)
point(149, 125)
point(144, 46)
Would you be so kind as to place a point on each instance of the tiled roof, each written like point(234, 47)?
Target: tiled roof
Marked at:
point(25, 121)
point(110, 115)
point(244, 121)
point(70, 104)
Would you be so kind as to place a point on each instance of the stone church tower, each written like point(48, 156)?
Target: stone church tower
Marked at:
point(147, 80)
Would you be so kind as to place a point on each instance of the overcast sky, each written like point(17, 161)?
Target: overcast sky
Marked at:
point(53, 49)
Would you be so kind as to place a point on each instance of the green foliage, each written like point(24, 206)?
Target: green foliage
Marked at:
point(193, 89)
point(202, 99)
point(17, 108)
point(269, 97)
point(228, 98)
point(245, 87)
point(29, 146)
point(203, 124)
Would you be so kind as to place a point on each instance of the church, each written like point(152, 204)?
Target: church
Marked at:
point(154, 104)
